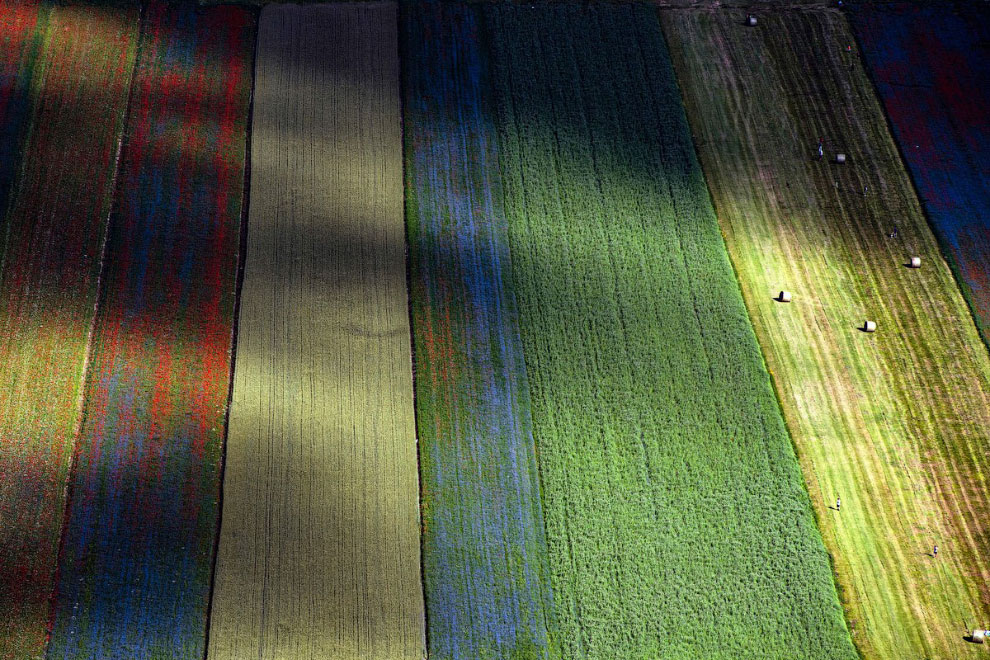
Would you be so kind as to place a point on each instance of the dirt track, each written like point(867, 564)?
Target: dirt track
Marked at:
point(319, 545)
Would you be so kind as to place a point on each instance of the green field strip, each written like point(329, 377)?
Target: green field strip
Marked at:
point(319, 543)
point(893, 422)
point(52, 244)
point(677, 522)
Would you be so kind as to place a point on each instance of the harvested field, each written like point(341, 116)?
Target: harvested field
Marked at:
point(484, 549)
point(319, 544)
point(52, 241)
point(134, 572)
point(893, 422)
point(673, 500)
point(931, 66)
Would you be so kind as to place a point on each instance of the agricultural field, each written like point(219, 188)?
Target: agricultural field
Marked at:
point(484, 550)
point(21, 31)
point(65, 103)
point(319, 553)
point(931, 67)
point(677, 521)
point(135, 567)
point(893, 422)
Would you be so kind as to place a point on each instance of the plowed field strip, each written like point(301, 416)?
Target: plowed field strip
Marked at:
point(671, 493)
point(319, 548)
point(894, 422)
point(485, 554)
point(52, 241)
point(134, 572)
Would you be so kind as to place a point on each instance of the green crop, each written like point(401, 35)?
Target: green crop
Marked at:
point(677, 521)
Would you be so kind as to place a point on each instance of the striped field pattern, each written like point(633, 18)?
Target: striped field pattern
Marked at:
point(134, 572)
point(319, 544)
point(931, 66)
point(484, 549)
point(53, 236)
point(893, 422)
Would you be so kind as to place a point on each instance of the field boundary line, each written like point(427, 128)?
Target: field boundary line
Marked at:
point(232, 355)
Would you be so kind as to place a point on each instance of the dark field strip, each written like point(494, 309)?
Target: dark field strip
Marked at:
point(894, 422)
point(21, 31)
point(484, 550)
point(931, 66)
point(52, 240)
point(134, 571)
point(677, 521)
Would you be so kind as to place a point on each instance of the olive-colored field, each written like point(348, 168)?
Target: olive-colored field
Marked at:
point(895, 423)
point(319, 541)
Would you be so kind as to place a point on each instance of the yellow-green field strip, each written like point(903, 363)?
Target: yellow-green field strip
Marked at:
point(319, 553)
point(894, 422)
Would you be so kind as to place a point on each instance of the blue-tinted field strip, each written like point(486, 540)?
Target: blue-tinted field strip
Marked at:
point(135, 567)
point(484, 550)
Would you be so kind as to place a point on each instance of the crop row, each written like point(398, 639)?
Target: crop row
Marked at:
point(135, 568)
point(65, 107)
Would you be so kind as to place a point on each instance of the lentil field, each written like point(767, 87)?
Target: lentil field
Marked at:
point(319, 544)
point(931, 67)
point(401, 329)
point(21, 32)
point(671, 494)
point(893, 422)
point(66, 105)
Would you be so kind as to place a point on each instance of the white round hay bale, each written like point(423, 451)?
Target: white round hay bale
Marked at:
point(751, 20)
point(840, 158)
point(978, 636)
point(869, 326)
point(785, 296)
point(915, 262)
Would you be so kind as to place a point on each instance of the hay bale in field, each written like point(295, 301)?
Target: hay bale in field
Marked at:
point(978, 636)
point(915, 262)
point(869, 326)
point(784, 297)
point(751, 20)
point(840, 158)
